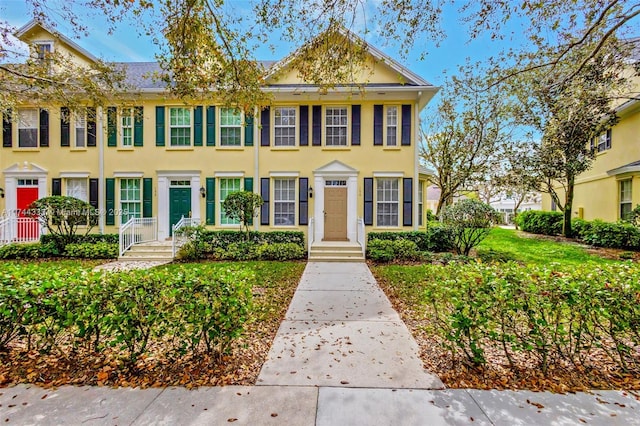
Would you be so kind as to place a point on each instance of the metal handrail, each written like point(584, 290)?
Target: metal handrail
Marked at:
point(15, 229)
point(177, 239)
point(137, 230)
point(310, 236)
point(360, 236)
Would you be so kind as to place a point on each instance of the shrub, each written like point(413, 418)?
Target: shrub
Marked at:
point(388, 250)
point(494, 256)
point(439, 238)
point(280, 251)
point(98, 250)
point(63, 216)
point(222, 239)
point(436, 238)
point(243, 206)
point(79, 239)
point(612, 235)
point(580, 227)
point(540, 222)
point(470, 221)
point(27, 251)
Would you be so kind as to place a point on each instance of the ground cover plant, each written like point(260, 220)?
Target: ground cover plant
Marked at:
point(181, 324)
point(544, 315)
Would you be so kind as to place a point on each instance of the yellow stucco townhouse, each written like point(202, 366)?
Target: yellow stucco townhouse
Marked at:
point(611, 188)
point(334, 164)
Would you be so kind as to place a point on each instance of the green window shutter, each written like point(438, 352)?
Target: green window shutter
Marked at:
point(248, 131)
point(159, 126)
point(211, 126)
point(197, 126)
point(138, 116)
point(248, 184)
point(112, 134)
point(110, 200)
point(147, 197)
point(211, 201)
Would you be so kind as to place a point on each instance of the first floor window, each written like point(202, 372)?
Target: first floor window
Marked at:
point(387, 201)
point(180, 126)
point(285, 126)
point(336, 126)
point(625, 199)
point(420, 203)
point(127, 127)
point(392, 125)
point(130, 199)
point(284, 205)
point(81, 130)
point(78, 188)
point(27, 128)
point(230, 127)
point(227, 186)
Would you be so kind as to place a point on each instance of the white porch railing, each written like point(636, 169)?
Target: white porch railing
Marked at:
point(361, 237)
point(137, 230)
point(310, 234)
point(178, 238)
point(19, 230)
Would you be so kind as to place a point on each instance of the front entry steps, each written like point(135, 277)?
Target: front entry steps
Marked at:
point(151, 251)
point(335, 251)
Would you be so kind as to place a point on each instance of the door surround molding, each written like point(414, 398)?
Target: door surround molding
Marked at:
point(336, 170)
point(164, 179)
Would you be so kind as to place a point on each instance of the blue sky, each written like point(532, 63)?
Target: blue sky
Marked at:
point(126, 45)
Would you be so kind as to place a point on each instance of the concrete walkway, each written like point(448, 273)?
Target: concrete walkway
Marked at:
point(341, 357)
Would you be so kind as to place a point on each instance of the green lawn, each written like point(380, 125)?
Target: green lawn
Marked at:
point(532, 249)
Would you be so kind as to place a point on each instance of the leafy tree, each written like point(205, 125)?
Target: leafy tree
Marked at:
point(242, 206)
point(63, 216)
point(461, 142)
point(470, 221)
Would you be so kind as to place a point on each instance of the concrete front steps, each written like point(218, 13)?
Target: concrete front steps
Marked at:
point(335, 251)
point(152, 251)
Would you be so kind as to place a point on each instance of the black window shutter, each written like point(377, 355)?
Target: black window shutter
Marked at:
point(64, 127)
point(304, 125)
point(407, 202)
point(44, 128)
point(160, 126)
point(248, 131)
point(93, 193)
point(405, 136)
point(264, 193)
point(355, 125)
point(91, 127)
point(56, 186)
point(265, 123)
point(7, 131)
point(197, 126)
point(378, 111)
point(303, 214)
point(316, 131)
point(138, 135)
point(368, 201)
point(608, 139)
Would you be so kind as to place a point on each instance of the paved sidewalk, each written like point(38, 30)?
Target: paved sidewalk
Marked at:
point(341, 357)
point(341, 330)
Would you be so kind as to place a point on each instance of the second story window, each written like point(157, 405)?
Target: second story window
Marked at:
point(392, 126)
point(180, 126)
point(602, 142)
point(285, 126)
point(230, 127)
point(27, 128)
point(80, 120)
point(127, 127)
point(43, 50)
point(336, 126)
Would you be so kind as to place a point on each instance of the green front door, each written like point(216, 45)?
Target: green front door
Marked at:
point(179, 205)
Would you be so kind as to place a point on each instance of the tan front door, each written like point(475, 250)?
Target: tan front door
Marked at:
point(335, 213)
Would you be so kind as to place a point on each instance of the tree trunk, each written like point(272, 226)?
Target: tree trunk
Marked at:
point(568, 205)
point(443, 201)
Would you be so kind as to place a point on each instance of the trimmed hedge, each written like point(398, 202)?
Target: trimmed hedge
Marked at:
point(437, 238)
point(222, 239)
point(388, 250)
point(540, 222)
point(80, 239)
point(28, 251)
point(99, 250)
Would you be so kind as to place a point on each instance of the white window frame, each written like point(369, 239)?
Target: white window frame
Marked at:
point(329, 140)
point(391, 129)
point(225, 115)
point(625, 197)
point(25, 124)
point(39, 52)
point(224, 191)
point(390, 186)
point(71, 188)
point(126, 128)
point(126, 203)
point(290, 126)
point(180, 126)
point(284, 198)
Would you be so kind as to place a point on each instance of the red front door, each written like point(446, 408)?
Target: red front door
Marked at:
point(28, 229)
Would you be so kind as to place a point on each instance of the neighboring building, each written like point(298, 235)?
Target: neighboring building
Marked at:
point(329, 164)
point(505, 205)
